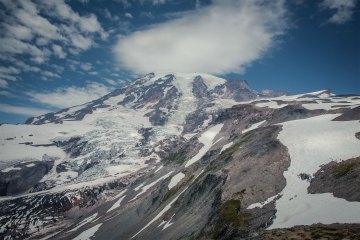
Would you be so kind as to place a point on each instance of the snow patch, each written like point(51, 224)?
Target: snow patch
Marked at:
point(145, 188)
point(159, 168)
point(207, 139)
point(118, 202)
point(226, 146)
point(311, 143)
point(271, 104)
point(83, 222)
point(175, 180)
point(89, 233)
point(261, 204)
point(10, 169)
point(252, 127)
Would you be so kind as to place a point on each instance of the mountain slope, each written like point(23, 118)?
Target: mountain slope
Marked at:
point(177, 156)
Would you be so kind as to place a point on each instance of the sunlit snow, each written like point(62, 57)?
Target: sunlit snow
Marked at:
point(175, 180)
point(207, 139)
point(311, 143)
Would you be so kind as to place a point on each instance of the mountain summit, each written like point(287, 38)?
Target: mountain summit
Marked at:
point(161, 95)
point(175, 155)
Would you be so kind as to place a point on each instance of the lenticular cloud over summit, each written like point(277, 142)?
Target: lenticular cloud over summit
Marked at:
point(222, 38)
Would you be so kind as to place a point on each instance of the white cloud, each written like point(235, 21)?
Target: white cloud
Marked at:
point(70, 96)
point(81, 42)
point(39, 25)
point(3, 83)
point(25, 67)
point(110, 16)
point(86, 66)
point(50, 74)
point(14, 46)
point(7, 77)
point(19, 31)
point(42, 41)
point(24, 111)
point(38, 29)
point(344, 10)
point(8, 70)
point(58, 51)
point(90, 23)
point(128, 15)
point(110, 81)
point(224, 37)
point(86, 24)
point(7, 93)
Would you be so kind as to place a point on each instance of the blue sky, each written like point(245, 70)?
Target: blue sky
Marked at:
point(55, 54)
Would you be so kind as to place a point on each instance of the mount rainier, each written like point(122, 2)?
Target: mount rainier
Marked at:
point(185, 156)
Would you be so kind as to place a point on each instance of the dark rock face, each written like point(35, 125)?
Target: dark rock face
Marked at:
point(200, 89)
point(73, 146)
point(357, 135)
point(239, 90)
point(237, 176)
point(195, 120)
point(342, 179)
point(164, 108)
point(349, 115)
point(19, 181)
point(293, 112)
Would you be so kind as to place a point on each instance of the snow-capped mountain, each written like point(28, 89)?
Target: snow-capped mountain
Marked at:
point(182, 156)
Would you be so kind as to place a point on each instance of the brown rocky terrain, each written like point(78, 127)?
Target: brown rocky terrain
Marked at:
point(315, 232)
point(340, 178)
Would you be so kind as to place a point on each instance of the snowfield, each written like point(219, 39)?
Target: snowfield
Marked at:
point(175, 180)
point(311, 143)
point(121, 196)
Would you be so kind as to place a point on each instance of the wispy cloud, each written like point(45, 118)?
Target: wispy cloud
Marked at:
point(110, 16)
point(70, 96)
point(128, 15)
point(7, 93)
point(224, 37)
point(47, 74)
point(343, 10)
point(24, 111)
point(3, 83)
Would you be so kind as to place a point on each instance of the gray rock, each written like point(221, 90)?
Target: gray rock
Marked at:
point(342, 179)
point(19, 181)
